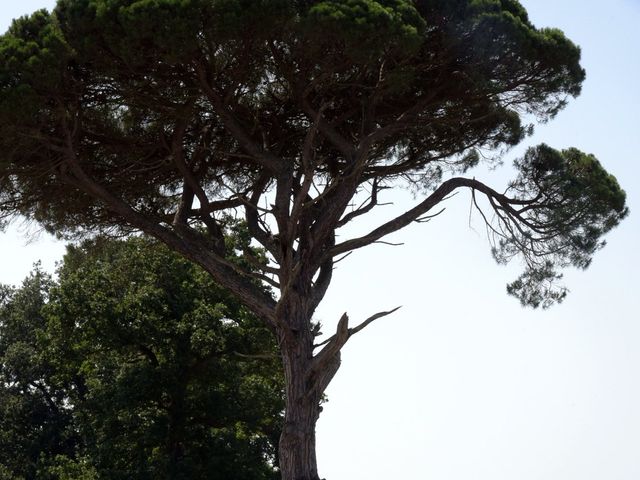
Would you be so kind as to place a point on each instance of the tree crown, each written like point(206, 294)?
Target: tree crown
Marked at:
point(175, 116)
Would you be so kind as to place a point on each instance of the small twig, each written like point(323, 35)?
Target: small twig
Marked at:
point(451, 195)
point(427, 218)
point(388, 243)
point(342, 257)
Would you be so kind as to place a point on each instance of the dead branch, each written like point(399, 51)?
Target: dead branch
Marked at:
point(364, 324)
point(372, 318)
point(391, 244)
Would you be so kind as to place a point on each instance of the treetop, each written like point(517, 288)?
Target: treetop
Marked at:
point(171, 116)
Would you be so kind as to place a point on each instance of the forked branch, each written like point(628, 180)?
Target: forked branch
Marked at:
point(325, 364)
point(340, 331)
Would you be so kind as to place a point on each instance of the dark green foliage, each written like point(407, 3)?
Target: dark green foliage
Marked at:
point(123, 71)
point(33, 415)
point(391, 24)
point(576, 203)
point(134, 364)
point(420, 84)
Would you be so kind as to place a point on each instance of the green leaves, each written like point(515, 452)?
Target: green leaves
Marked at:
point(581, 202)
point(538, 287)
point(33, 55)
point(30, 55)
point(564, 203)
point(229, 20)
point(500, 44)
point(34, 40)
point(128, 367)
point(387, 24)
point(111, 80)
point(33, 417)
point(211, 98)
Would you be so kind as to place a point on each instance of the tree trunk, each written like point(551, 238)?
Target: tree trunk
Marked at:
point(302, 409)
point(303, 393)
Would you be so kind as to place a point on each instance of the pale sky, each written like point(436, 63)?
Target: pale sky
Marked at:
point(462, 383)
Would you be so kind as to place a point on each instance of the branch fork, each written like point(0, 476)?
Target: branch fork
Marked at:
point(326, 362)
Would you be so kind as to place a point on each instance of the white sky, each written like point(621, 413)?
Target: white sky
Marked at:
point(462, 383)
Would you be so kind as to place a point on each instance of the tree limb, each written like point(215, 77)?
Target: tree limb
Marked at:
point(364, 324)
point(419, 211)
point(257, 153)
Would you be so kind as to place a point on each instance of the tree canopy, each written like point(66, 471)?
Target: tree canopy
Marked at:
point(134, 364)
point(182, 118)
point(177, 111)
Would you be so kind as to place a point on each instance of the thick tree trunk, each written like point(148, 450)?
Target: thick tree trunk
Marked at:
point(303, 392)
point(302, 409)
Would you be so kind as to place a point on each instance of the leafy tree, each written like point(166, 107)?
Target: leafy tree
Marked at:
point(134, 364)
point(33, 416)
point(181, 117)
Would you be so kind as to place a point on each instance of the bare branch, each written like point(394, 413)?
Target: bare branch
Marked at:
point(231, 123)
point(363, 209)
point(372, 318)
point(363, 325)
point(401, 121)
point(186, 201)
point(218, 205)
point(256, 227)
point(428, 218)
point(322, 282)
point(391, 244)
point(332, 345)
point(177, 152)
point(401, 221)
point(417, 212)
point(338, 141)
point(342, 257)
point(183, 240)
point(309, 165)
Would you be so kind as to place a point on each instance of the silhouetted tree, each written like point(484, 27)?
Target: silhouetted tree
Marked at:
point(179, 117)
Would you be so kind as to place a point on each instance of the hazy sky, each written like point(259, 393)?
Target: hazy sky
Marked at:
point(462, 383)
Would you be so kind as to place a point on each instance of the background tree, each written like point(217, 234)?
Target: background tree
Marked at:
point(134, 364)
point(34, 422)
point(177, 117)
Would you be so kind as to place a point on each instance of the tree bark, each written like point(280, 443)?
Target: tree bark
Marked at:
point(298, 438)
point(297, 446)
